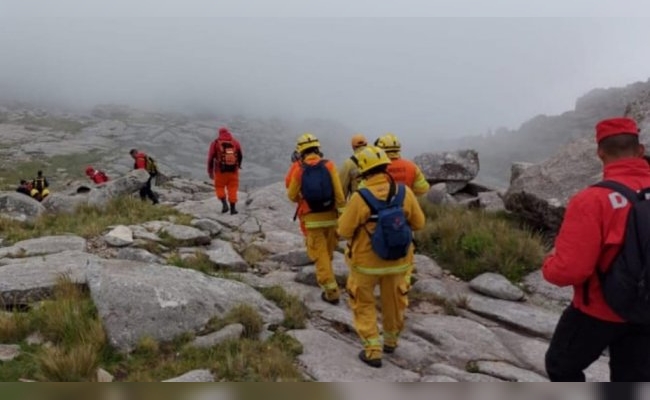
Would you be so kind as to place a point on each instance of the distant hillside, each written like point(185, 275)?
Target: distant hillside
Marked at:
point(63, 143)
point(542, 136)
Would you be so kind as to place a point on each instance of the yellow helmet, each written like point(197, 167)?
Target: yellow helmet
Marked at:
point(389, 143)
point(371, 157)
point(307, 141)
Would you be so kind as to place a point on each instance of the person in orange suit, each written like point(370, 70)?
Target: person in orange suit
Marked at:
point(224, 162)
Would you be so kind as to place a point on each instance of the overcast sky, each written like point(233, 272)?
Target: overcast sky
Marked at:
point(442, 76)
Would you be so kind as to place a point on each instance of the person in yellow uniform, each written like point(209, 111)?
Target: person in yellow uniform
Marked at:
point(378, 222)
point(315, 186)
point(349, 174)
point(403, 171)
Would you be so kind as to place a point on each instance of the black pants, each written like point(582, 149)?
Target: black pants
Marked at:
point(146, 191)
point(580, 339)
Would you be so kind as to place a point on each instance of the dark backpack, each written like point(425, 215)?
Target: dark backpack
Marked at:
point(626, 283)
point(150, 166)
point(316, 186)
point(393, 236)
point(226, 156)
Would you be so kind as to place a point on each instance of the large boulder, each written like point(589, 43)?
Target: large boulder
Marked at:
point(540, 192)
point(458, 166)
point(19, 206)
point(32, 279)
point(127, 184)
point(44, 245)
point(136, 300)
point(64, 203)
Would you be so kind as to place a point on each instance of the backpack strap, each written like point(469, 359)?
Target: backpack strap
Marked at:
point(377, 205)
point(631, 195)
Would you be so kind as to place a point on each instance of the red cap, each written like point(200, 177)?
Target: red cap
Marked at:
point(615, 126)
point(223, 129)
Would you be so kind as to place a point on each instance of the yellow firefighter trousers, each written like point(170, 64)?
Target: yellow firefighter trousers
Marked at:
point(321, 243)
point(394, 300)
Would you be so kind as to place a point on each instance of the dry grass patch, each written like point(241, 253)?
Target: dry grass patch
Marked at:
point(78, 346)
point(242, 314)
point(14, 327)
point(199, 262)
point(90, 221)
point(471, 242)
point(295, 311)
point(77, 363)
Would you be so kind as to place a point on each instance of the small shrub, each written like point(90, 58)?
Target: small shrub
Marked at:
point(295, 311)
point(249, 360)
point(199, 261)
point(75, 364)
point(14, 327)
point(286, 343)
point(243, 314)
point(471, 242)
point(147, 347)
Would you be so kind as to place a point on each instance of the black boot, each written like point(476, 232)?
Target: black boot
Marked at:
point(233, 211)
point(224, 206)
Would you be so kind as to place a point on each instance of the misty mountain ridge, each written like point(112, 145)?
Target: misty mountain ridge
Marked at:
point(542, 136)
point(64, 141)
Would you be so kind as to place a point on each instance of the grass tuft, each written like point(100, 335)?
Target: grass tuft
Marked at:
point(295, 311)
point(89, 221)
point(471, 242)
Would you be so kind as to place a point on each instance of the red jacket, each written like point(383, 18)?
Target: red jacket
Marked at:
point(140, 161)
point(591, 235)
point(213, 154)
point(99, 177)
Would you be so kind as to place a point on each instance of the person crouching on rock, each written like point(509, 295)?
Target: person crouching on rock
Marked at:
point(40, 187)
point(96, 175)
point(24, 188)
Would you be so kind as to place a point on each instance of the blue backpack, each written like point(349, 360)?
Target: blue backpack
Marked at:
point(316, 187)
point(626, 284)
point(393, 236)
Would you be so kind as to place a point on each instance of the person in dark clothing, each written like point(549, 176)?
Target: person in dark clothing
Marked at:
point(40, 187)
point(143, 161)
point(24, 188)
point(591, 235)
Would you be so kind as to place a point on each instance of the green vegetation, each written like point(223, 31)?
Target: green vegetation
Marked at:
point(90, 221)
point(470, 242)
point(295, 311)
point(76, 346)
point(53, 123)
point(74, 164)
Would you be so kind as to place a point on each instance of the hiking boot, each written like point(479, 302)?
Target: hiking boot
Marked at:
point(224, 206)
point(325, 299)
point(233, 211)
point(373, 362)
point(389, 349)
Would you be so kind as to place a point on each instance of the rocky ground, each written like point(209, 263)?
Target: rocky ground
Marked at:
point(63, 143)
point(484, 330)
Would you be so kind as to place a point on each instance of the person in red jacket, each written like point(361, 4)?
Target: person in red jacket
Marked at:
point(143, 161)
point(96, 175)
point(589, 239)
point(224, 162)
